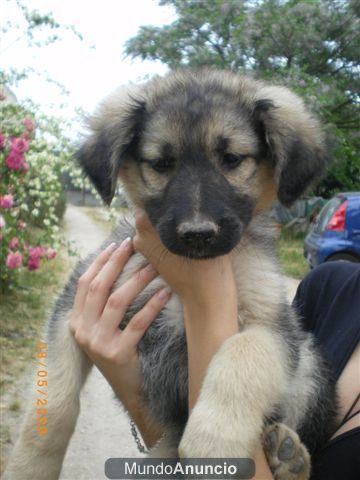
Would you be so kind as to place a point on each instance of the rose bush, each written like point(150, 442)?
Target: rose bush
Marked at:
point(30, 189)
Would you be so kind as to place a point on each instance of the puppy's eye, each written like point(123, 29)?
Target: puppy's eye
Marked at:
point(231, 160)
point(162, 165)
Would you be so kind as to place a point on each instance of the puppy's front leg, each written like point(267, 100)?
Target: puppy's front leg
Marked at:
point(245, 379)
point(40, 456)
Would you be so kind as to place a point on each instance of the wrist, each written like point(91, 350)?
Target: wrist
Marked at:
point(210, 303)
point(208, 325)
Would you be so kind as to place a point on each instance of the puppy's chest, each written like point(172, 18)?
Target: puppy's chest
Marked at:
point(260, 289)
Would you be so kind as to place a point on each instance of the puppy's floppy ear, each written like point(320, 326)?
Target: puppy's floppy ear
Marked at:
point(114, 128)
point(294, 138)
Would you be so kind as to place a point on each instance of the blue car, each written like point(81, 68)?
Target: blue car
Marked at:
point(335, 234)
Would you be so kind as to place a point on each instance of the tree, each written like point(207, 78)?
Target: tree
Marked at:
point(311, 46)
point(38, 30)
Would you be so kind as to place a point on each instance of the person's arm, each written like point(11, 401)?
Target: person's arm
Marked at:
point(208, 293)
point(207, 324)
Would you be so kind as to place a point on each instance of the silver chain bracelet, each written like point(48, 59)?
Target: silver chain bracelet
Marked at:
point(136, 436)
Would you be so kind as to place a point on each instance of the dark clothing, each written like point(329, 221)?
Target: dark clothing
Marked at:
point(328, 301)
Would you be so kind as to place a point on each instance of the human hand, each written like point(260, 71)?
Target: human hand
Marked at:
point(208, 293)
point(97, 314)
point(203, 281)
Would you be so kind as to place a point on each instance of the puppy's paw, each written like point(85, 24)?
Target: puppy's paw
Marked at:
point(287, 456)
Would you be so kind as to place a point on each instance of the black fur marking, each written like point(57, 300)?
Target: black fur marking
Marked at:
point(304, 164)
point(265, 151)
point(263, 106)
point(94, 158)
point(217, 201)
point(102, 155)
point(320, 421)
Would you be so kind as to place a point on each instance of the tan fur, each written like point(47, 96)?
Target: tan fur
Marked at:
point(266, 188)
point(250, 353)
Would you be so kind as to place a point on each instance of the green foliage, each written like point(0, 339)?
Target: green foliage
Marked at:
point(291, 254)
point(312, 46)
point(34, 154)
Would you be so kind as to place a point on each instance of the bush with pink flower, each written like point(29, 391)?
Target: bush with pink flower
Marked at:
point(30, 190)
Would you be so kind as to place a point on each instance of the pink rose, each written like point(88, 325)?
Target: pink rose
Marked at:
point(2, 222)
point(2, 141)
point(33, 263)
point(7, 201)
point(14, 243)
point(13, 260)
point(34, 252)
point(15, 160)
point(50, 253)
point(19, 145)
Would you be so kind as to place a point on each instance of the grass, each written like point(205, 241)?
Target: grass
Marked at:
point(23, 313)
point(291, 253)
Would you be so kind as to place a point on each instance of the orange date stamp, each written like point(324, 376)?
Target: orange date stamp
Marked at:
point(41, 388)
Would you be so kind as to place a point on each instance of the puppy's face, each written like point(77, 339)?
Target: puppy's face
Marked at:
point(197, 170)
point(201, 157)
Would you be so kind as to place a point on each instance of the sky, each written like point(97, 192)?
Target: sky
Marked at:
point(88, 69)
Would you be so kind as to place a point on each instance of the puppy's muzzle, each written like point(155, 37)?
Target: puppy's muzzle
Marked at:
point(197, 235)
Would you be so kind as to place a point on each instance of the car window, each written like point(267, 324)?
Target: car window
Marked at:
point(326, 213)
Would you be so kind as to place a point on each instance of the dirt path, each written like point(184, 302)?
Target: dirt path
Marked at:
point(102, 430)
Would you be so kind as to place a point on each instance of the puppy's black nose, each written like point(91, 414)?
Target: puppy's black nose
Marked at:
point(197, 235)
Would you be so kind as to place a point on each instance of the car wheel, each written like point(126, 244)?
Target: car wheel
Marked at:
point(343, 256)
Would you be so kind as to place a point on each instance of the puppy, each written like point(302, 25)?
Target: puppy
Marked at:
point(205, 153)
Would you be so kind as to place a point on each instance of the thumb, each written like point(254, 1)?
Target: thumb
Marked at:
point(142, 221)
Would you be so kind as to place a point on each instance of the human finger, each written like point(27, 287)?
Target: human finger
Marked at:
point(147, 240)
point(120, 300)
point(142, 221)
point(99, 287)
point(89, 274)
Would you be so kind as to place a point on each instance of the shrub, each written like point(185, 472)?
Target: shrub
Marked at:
point(30, 195)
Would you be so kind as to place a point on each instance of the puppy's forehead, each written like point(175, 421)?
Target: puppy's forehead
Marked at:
point(182, 123)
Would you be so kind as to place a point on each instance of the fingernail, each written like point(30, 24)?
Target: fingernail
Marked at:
point(125, 244)
point(110, 247)
point(150, 268)
point(164, 293)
